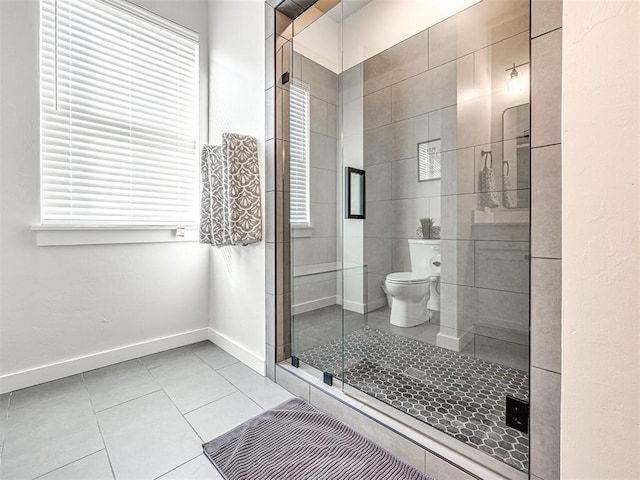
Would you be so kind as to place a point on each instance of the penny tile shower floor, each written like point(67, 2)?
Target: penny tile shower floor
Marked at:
point(457, 394)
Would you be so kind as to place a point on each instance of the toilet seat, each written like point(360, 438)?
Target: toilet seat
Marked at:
point(408, 278)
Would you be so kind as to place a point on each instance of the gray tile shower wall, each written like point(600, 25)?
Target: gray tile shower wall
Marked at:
point(317, 245)
point(546, 238)
point(446, 83)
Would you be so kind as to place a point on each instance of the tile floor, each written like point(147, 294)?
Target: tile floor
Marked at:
point(141, 419)
point(457, 394)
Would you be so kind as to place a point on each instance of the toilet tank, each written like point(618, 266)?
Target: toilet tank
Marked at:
point(421, 253)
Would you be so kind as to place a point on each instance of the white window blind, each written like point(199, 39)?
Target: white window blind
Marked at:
point(299, 168)
point(119, 116)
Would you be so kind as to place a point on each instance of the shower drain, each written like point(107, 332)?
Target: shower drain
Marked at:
point(415, 373)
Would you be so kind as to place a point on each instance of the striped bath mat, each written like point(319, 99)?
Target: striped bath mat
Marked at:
point(294, 441)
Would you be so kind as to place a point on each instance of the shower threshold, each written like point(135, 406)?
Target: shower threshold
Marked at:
point(457, 394)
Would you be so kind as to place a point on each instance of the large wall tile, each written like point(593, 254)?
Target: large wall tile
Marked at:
point(323, 219)
point(270, 115)
point(546, 300)
point(318, 116)
point(309, 251)
point(443, 124)
point(546, 202)
point(401, 260)
point(319, 185)
point(332, 120)
point(270, 58)
point(474, 122)
point(546, 15)
point(374, 288)
point(377, 255)
point(378, 182)
point(476, 27)
point(503, 266)
point(377, 109)
point(403, 60)
point(458, 308)
point(323, 83)
point(545, 424)
point(458, 262)
point(270, 216)
point(405, 184)
point(379, 221)
point(323, 152)
point(425, 92)
point(457, 172)
point(503, 310)
point(310, 292)
point(352, 83)
point(353, 117)
point(546, 87)
point(456, 216)
point(378, 145)
point(509, 354)
point(405, 218)
point(404, 137)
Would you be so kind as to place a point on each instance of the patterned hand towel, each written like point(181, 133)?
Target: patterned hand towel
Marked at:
point(245, 213)
point(489, 196)
point(508, 195)
point(214, 205)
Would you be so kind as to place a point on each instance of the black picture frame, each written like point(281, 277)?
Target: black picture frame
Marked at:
point(351, 175)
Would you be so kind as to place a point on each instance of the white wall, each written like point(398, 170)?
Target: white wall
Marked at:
point(237, 290)
point(62, 306)
point(600, 219)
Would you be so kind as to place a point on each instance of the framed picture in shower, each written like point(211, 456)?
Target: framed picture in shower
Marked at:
point(429, 162)
point(354, 193)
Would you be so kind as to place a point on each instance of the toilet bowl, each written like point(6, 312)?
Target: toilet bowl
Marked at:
point(409, 294)
point(412, 294)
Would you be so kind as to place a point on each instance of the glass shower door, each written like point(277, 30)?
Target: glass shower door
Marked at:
point(315, 194)
point(436, 114)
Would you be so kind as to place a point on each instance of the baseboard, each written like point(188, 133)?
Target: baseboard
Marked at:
point(354, 306)
point(314, 305)
point(240, 352)
point(73, 366)
point(453, 342)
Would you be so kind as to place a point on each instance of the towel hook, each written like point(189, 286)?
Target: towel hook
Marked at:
point(487, 155)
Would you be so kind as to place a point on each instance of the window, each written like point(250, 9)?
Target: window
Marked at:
point(299, 169)
point(119, 116)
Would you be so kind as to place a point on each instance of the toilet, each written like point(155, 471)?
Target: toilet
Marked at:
point(410, 294)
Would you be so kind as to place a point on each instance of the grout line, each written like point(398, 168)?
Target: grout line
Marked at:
point(546, 33)
point(130, 400)
point(182, 415)
point(212, 401)
point(546, 145)
point(545, 369)
point(173, 469)
point(70, 463)
point(95, 416)
point(430, 68)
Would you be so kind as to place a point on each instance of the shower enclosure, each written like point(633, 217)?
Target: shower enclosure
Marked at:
point(409, 162)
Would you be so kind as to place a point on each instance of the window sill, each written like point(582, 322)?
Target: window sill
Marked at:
point(59, 235)
point(301, 231)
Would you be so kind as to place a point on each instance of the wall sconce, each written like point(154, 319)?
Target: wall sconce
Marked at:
point(513, 83)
